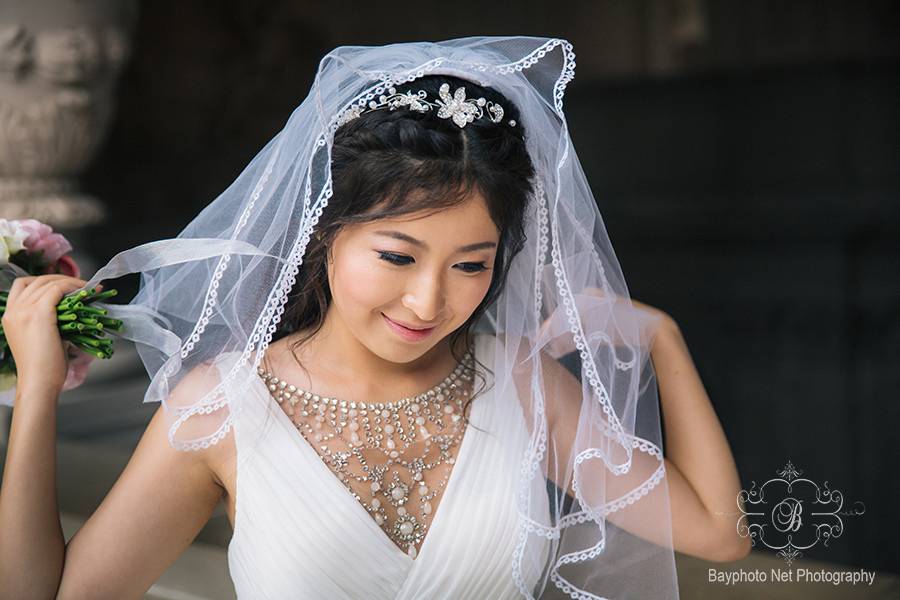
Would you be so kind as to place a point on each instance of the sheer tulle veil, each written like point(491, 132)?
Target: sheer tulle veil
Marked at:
point(221, 287)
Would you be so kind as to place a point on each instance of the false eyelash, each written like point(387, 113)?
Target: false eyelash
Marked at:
point(395, 259)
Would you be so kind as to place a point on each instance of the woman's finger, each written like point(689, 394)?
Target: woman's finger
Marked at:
point(54, 291)
point(30, 291)
point(19, 284)
point(37, 289)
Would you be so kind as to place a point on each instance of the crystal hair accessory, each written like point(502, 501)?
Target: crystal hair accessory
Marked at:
point(455, 107)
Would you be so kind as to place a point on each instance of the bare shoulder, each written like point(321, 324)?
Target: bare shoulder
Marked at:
point(217, 458)
point(159, 503)
point(563, 405)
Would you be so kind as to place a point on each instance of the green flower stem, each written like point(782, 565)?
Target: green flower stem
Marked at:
point(83, 339)
point(94, 351)
point(69, 300)
point(94, 296)
point(111, 323)
point(83, 325)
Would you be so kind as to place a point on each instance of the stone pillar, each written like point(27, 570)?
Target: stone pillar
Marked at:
point(58, 65)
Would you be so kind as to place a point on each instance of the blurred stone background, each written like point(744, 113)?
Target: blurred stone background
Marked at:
point(745, 157)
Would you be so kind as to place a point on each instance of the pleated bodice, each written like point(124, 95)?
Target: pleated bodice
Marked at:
point(299, 533)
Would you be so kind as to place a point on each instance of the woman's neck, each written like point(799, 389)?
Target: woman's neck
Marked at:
point(337, 364)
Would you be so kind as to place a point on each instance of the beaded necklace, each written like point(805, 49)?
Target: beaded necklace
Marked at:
point(374, 426)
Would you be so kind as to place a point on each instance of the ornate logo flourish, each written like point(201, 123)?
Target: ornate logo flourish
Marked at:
point(790, 513)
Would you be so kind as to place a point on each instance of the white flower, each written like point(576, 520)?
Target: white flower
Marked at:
point(348, 115)
point(12, 239)
point(456, 107)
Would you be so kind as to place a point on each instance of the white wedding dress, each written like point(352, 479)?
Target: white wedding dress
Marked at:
point(299, 533)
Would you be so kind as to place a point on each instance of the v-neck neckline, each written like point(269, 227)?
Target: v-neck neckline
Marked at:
point(342, 491)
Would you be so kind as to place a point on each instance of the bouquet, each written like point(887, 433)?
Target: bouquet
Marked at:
point(29, 247)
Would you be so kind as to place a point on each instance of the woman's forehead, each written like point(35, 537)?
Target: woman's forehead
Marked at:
point(457, 223)
point(473, 208)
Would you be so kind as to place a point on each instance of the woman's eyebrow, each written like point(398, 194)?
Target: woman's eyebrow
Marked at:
point(399, 235)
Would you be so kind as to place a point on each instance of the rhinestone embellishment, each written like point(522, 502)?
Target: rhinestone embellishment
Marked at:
point(347, 435)
point(455, 107)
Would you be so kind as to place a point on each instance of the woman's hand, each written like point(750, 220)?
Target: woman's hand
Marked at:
point(649, 320)
point(32, 331)
point(665, 320)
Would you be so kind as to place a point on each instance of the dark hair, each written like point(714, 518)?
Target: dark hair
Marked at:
point(383, 160)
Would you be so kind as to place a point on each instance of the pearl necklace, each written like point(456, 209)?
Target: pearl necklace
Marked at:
point(379, 421)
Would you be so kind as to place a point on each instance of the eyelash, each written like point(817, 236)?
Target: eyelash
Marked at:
point(394, 259)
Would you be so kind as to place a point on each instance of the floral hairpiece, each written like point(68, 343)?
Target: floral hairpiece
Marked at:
point(455, 107)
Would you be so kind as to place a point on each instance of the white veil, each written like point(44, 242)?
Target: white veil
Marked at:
point(222, 284)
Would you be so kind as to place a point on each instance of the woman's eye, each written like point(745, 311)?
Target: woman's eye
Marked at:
point(473, 267)
point(394, 259)
point(399, 259)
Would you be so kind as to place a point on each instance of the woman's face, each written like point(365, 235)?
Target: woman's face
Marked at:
point(421, 271)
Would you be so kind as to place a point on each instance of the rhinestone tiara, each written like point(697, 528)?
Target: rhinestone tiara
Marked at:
point(455, 107)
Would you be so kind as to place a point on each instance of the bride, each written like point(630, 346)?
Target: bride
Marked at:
point(400, 349)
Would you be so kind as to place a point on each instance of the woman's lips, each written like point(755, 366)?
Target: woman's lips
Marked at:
point(412, 335)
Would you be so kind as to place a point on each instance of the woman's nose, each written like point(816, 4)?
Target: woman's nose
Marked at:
point(426, 299)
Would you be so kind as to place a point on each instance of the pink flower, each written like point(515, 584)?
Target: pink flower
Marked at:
point(67, 266)
point(79, 365)
point(41, 237)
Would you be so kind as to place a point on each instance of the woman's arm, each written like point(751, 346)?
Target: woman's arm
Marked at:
point(153, 512)
point(700, 471)
point(32, 545)
point(151, 515)
point(699, 459)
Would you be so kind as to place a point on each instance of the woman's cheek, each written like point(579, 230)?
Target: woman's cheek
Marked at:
point(470, 296)
point(366, 285)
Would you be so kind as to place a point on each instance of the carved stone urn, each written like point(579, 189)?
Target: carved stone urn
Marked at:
point(58, 64)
